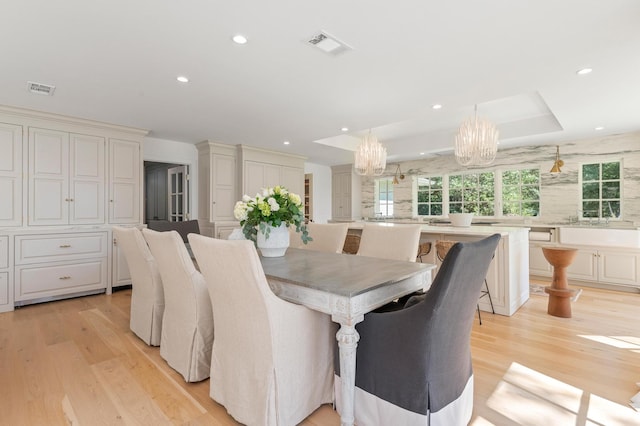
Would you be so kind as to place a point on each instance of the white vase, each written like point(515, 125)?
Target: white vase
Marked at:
point(277, 243)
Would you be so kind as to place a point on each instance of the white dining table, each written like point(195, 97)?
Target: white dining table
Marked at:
point(346, 287)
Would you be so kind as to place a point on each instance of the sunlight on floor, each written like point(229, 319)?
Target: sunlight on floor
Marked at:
point(622, 342)
point(527, 397)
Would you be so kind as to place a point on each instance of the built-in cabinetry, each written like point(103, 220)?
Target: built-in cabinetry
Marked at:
point(594, 264)
point(6, 287)
point(57, 264)
point(11, 174)
point(66, 178)
point(226, 172)
point(346, 192)
point(63, 182)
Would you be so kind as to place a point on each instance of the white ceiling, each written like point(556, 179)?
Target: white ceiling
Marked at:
point(117, 61)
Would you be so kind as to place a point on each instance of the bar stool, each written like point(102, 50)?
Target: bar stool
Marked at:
point(423, 250)
point(442, 248)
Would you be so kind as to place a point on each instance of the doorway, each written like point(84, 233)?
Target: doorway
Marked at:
point(166, 191)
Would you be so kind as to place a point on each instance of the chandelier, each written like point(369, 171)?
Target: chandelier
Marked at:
point(370, 157)
point(476, 142)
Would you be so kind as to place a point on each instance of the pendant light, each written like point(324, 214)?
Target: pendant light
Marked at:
point(476, 143)
point(370, 157)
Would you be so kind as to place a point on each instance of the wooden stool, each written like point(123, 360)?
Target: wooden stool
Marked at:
point(559, 292)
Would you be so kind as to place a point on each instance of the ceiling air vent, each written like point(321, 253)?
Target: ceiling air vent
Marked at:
point(328, 43)
point(40, 89)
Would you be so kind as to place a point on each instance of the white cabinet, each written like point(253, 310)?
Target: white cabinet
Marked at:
point(345, 193)
point(66, 178)
point(11, 174)
point(609, 266)
point(121, 275)
point(538, 264)
point(6, 289)
point(60, 264)
point(125, 174)
point(217, 185)
point(262, 168)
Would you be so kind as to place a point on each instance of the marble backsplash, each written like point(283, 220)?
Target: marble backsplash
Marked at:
point(559, 193)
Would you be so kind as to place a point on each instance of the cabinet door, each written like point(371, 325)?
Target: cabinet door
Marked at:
point(584, 266)
point(254, 179)
point(272, 176)
point(11, 175)
point(538, 264)
point(120, 271)
point(223, 187)
point(124, 181)
point(341, 196)
point(48, 177)
point(87, 182)
point(618, 267)
point(293, 179)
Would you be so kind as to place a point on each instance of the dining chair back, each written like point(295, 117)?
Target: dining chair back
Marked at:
point(147, 293)
point(184, 227)
point(272, 360)
point(327, 237)
point(187, 332)
point(414, 364)
point(397, 242)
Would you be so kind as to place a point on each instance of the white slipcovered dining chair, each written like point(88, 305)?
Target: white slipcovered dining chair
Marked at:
point(147, 294)
point(327, 237)
point(397, 242)
point(272, 360)
point(187, 332)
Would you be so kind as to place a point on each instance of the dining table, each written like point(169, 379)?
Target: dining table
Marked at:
point(346, 287)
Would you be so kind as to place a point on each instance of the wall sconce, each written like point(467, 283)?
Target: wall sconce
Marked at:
point(398, 175)
point(558, 163)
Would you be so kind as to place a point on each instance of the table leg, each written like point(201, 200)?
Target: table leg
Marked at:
point(347, 338)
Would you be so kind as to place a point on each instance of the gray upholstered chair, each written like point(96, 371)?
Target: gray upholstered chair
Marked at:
point(147, 293)
point(187, 332)
point(183, 228)
point(272, 360)
point(414, 364)
point(398, 242)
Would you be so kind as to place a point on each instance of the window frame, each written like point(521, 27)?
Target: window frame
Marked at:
point(377, 192)
point(580, 210)
point(520, 185)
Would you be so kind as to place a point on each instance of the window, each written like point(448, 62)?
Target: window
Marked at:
point(430, 196)
point(601, 190)
point(472, 193)
point(384, 197)
point(521, 192)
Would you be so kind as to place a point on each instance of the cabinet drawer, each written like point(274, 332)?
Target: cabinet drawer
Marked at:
point(59, 247)
point(4, 288)
point(4, 251)
point(56, 280)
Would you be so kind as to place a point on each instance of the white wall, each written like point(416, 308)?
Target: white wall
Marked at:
point(166, 151)
point(321, 191)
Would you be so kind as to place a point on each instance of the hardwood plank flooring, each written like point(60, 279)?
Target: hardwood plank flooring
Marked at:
point(76, 362)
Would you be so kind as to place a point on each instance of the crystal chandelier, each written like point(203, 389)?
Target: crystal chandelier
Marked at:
point(370, 157)
point(476, 143)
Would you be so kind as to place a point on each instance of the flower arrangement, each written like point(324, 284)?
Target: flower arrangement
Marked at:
point(273, 206)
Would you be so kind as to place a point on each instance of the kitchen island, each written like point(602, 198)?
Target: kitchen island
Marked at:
point(508, 275)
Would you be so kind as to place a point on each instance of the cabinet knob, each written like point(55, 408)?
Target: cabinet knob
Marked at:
point(111, 201)
point(65, 245)
point(66, 277)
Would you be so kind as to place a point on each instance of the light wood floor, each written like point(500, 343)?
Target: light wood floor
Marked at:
point(75, 361)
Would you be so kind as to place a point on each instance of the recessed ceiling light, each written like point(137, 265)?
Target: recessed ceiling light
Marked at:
point(239, 39)
point(599, 128)
point(182, 79)
point(286, 142)
point(436, 106)
point(584, 71)
point(422, 153)
point(345, 129)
